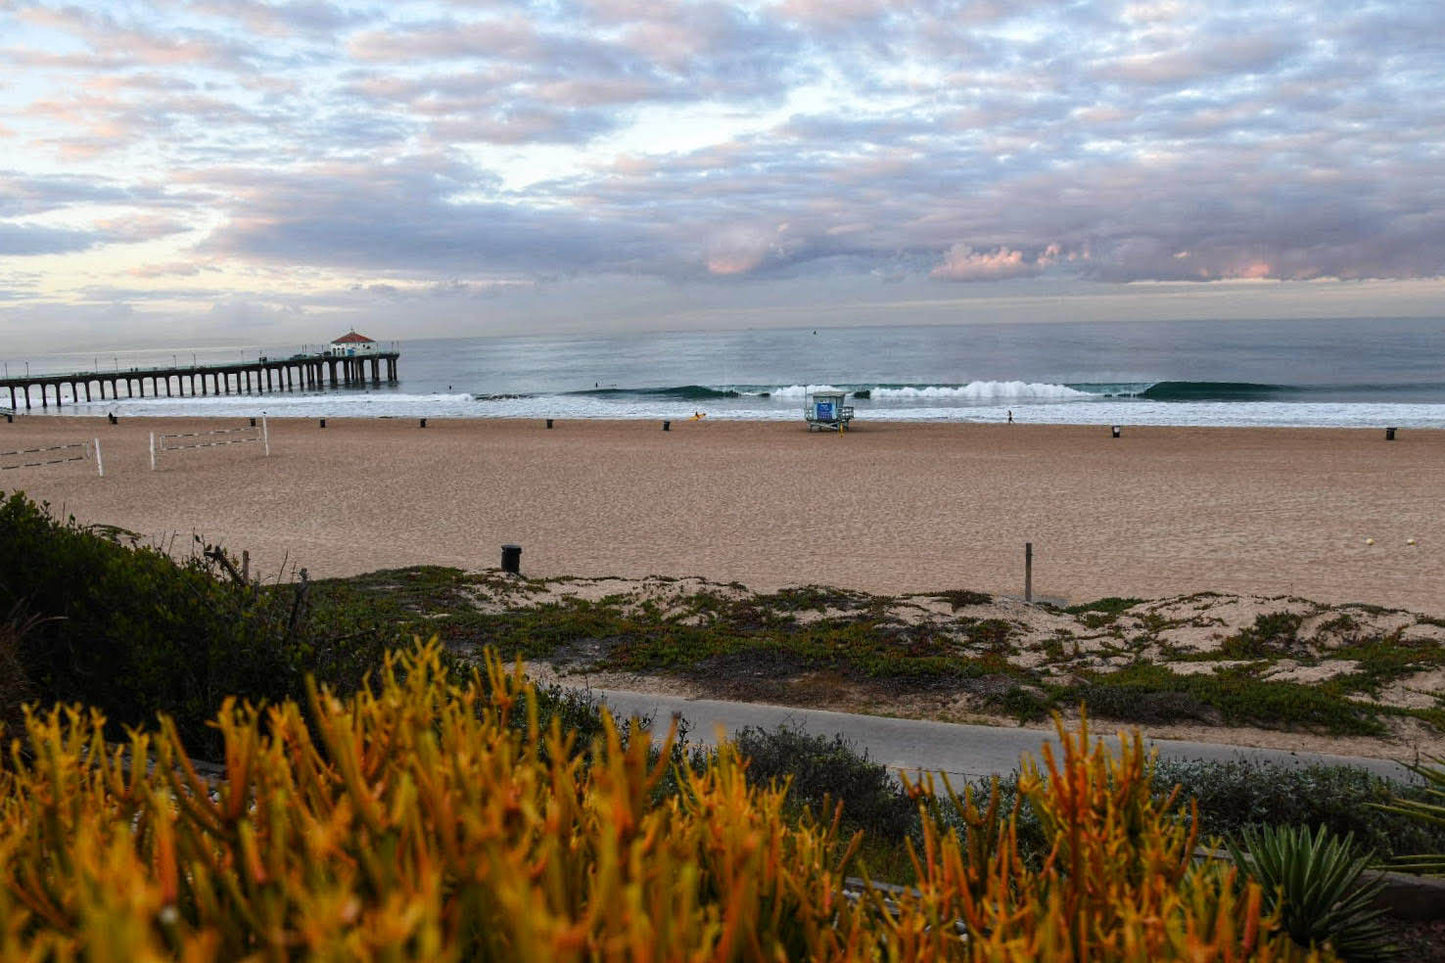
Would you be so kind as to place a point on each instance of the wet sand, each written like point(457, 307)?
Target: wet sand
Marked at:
point(889, 507)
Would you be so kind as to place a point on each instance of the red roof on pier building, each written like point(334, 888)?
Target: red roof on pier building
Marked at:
point(353, 338)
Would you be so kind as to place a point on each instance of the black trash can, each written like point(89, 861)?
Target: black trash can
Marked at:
point(1389, 434)
point(323, 422)
point(549, 422)
point(512, 559)
point(423, 422)
point(667, 426)
point(1116, 430)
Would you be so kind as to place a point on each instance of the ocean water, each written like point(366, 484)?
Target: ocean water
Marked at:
point(1344, 373)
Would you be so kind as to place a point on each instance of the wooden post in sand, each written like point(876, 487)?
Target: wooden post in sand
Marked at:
point(1028, 571)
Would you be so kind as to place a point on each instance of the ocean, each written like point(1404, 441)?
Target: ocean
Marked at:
point(1367, 372)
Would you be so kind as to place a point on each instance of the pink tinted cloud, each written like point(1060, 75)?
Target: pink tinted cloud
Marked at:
point(139, 227)
point(963, 263)
point(741, 250)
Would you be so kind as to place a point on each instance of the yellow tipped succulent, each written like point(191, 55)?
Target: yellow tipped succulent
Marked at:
point(427, 818)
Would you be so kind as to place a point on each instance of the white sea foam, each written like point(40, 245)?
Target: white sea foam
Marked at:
point(1048, 407)
point(975, 392)
point(985, 391)
point(798, 392)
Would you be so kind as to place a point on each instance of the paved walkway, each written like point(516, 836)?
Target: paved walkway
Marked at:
point(908, 744)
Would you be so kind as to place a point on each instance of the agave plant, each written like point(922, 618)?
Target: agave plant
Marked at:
point(1313, 881)
point(1426, 811)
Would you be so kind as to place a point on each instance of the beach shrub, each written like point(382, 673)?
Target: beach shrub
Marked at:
point(1242, 793)
point(1314, 883)
point(130, 630)
point(1024, 703)
point(430, 816)
point(823, 771)
point(14, 680)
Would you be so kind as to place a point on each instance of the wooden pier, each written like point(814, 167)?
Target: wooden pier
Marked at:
point(308, 372)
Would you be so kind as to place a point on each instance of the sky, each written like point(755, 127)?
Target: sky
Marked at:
point(225, 172)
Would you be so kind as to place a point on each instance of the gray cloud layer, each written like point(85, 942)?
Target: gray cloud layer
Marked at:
point(944, 142)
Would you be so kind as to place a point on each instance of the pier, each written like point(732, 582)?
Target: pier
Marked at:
point(297, 373)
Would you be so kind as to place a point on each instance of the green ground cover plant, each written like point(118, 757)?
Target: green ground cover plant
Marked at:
point(1152, 693)
point(718, 634)
point(1273, 634)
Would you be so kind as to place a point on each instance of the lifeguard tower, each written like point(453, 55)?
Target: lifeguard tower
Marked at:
point(825, 411)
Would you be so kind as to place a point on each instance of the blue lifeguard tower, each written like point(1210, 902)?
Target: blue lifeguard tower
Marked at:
point(825, 411)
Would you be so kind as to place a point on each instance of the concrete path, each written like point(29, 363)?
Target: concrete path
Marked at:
point(961, 751)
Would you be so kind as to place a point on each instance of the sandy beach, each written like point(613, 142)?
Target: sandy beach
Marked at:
point(888, 507)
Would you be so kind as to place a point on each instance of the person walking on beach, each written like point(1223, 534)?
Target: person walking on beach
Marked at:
point(1010, 416)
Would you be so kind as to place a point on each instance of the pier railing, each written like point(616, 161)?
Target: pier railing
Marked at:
point(301, 372)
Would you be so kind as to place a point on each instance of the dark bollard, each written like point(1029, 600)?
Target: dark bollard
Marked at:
point(1389, 434)
point(323, 422)
point(1028, 571)
point(667, 426)
point(1116, 430)
point(549, 422)
point(512, 559)
point(423, 422)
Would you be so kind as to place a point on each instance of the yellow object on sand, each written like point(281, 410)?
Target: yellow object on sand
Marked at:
point(698, 416)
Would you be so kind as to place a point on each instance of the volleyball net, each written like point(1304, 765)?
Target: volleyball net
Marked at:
point(53, 455)
point(253, 434)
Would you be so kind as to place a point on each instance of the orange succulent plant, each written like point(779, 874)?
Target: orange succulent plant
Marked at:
point(428, 818)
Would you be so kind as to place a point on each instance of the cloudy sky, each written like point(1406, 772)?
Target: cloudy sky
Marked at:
point(232, 172)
